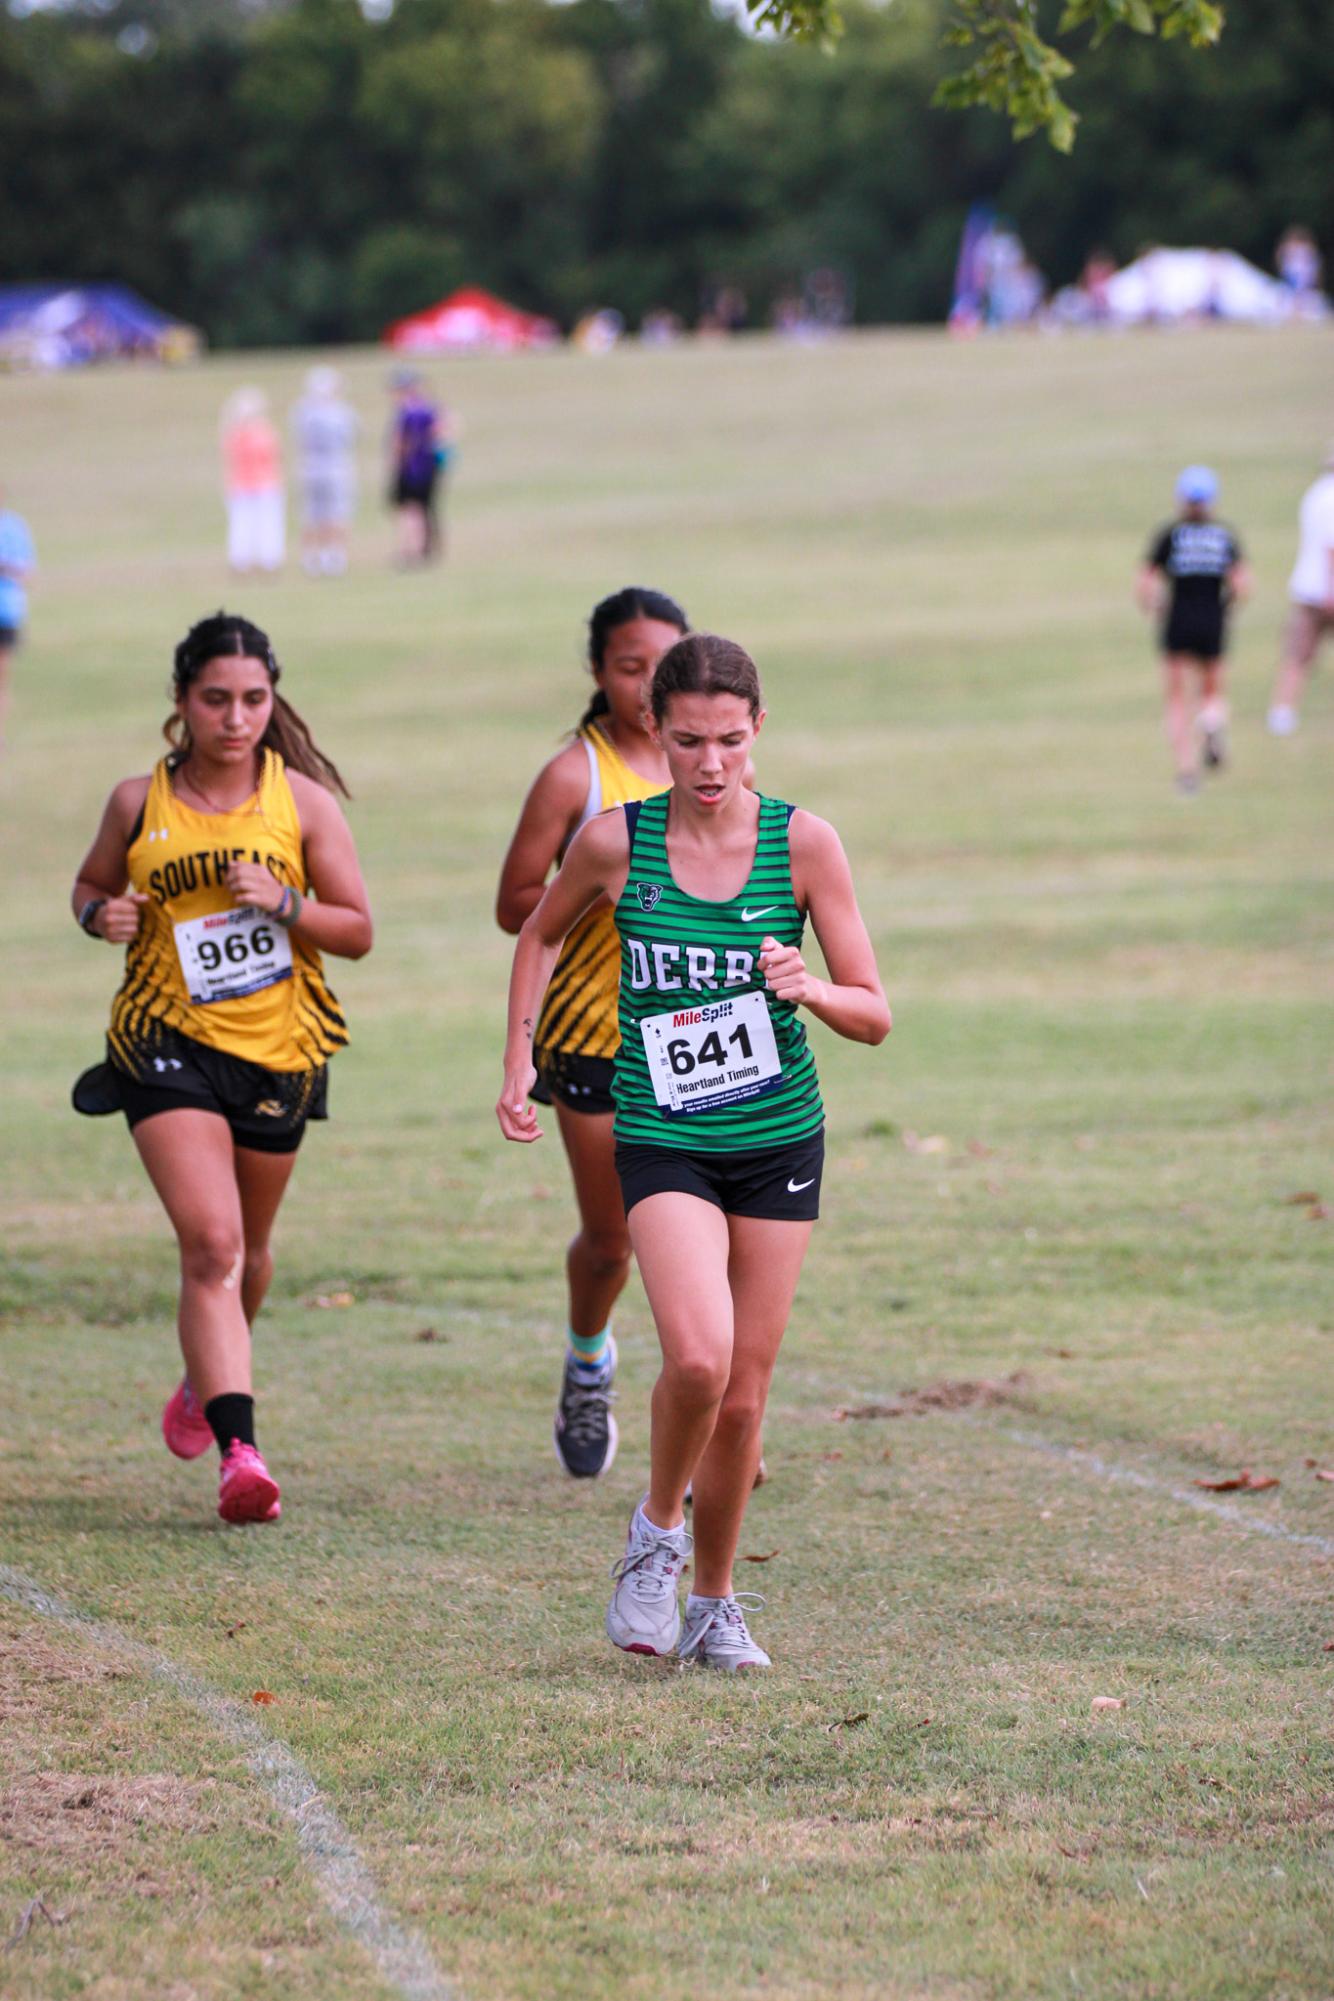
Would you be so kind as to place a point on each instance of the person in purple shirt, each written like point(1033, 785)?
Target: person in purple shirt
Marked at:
point(418, 451)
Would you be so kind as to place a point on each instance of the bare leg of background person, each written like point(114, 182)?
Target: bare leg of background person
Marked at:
point(1213, 712)
point(1180, 721)
point(6, 661)
point(1300, 641)
point(765, 1264)
point(597, 1263)
point(189, 1158)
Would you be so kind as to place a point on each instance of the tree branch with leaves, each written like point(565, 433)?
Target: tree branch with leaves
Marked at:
point(1014, 69)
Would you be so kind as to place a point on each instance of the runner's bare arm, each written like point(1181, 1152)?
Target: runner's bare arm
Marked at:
point(102, 871)
point(337, 918)
point(596, 865)
point(1149, 583)
point(851, 1001)
point(557, 797)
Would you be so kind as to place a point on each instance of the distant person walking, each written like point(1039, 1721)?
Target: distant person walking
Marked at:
point(1193, 573)
point(1311, 589)
point(324, 430)
point(418, 453)
point(252, 472)
point(18, 559)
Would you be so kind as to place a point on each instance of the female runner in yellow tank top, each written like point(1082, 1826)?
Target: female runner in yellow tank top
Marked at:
point(226, 874)
point(611, 759)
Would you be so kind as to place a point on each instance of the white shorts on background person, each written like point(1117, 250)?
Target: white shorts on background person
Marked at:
point(256, 530)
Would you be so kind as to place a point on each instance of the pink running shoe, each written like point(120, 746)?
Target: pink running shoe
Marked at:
point(184, 1426)
point(247, 1491)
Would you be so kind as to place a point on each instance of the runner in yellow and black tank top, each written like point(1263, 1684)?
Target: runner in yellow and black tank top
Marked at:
point(612, 759)
point(201, 965)
point(579, 1027)
point(226, 874)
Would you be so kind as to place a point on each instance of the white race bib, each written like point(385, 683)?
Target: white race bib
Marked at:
point(717, 1053)
point(231, 953)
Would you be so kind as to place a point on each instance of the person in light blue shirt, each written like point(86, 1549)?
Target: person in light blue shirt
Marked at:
point(17, 561)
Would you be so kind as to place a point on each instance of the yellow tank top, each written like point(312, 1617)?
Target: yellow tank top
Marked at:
point(225, 976)
point(579, 1014)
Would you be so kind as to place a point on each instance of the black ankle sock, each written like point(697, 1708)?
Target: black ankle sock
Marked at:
point(232, 1417)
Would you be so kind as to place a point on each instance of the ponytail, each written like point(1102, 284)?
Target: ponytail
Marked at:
point(225, 635)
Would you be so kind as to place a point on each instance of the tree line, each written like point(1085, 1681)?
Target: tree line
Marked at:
point(305, 172)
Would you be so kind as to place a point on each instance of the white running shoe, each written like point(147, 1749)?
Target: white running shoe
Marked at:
point(643, 1616)
point(716, 1635)
point(1282, 720)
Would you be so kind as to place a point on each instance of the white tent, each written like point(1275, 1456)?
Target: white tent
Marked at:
point(1195, 284)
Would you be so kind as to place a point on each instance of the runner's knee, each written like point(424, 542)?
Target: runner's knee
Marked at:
point(696, 1377)
point(213, 1255)
point(605, 1251)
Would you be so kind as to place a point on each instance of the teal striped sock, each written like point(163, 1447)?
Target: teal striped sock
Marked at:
point(590, 1354)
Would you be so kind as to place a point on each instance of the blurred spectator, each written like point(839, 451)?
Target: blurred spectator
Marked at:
point(18, 559)
point(418, 456)
point(598, 331)
point(252, 471)
point(1297, 261)
point(1311, 589)
point(660, 327)
point(324, 427)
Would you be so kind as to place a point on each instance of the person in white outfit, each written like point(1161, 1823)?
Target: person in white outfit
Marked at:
point(324, 429)
point(1311, 589)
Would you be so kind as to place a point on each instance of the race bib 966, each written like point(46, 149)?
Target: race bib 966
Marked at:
point(231, 953)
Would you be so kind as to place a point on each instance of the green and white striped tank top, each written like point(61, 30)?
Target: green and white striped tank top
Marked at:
point(710, 1061)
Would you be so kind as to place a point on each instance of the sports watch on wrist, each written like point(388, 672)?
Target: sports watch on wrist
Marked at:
point(88, 915)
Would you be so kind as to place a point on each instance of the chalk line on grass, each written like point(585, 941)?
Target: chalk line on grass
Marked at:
point(1188, 1497)
point(327, 1848)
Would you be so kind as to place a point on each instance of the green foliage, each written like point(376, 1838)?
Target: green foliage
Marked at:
point(1017, 72)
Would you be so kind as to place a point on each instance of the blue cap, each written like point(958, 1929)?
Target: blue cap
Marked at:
point(1197, 486)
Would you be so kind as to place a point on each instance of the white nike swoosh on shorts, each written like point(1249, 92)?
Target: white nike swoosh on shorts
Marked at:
point(795, 1187)
point(749, 916)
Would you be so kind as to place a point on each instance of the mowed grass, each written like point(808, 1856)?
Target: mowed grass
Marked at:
point(1073, 1159)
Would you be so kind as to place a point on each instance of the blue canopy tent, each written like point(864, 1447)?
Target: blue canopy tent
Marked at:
point(63, 326)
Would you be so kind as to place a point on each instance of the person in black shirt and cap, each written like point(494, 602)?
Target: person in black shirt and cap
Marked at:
point(1193, 573)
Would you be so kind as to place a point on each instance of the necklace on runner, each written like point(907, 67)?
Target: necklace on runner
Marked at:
point(184, 772)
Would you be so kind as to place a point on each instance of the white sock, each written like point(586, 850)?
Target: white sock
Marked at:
point(655, 1526)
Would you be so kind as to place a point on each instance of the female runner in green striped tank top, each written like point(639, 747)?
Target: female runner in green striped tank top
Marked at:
point(719, 1125)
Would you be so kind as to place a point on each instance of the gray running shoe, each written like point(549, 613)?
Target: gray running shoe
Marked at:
point(716, 1635)
point(643, 1616)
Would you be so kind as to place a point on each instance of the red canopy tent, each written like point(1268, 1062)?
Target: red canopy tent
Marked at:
point(470, 320)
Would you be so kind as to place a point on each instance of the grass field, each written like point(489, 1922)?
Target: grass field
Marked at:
point(1073, 1159)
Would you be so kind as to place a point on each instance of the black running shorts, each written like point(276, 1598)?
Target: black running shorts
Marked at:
point(266, 1110)
point(778, 1183)
point(580, 1083)
point(1195, 630)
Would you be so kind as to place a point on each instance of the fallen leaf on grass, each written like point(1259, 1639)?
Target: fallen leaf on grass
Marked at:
point(332, 1299)
point(238, 1626)
point(262, 1695)
point(925, 1720)
point(1328, 1647)
point(1245, 1482)
point(943, 1395)
point(831, 1456)
point(1317, 1213)
point(1302, 1199)
point(429, 1334)
point(1100, 1702)
point(979, 1150)
point(767, 1557)
point(1324, 1472)
point(849, 1722)
point(933, 1143)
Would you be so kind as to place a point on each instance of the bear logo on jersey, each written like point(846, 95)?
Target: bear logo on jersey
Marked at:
point(649, 895)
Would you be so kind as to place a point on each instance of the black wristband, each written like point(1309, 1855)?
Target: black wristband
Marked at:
point(89, 913)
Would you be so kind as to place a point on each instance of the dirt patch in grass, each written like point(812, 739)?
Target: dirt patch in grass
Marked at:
point(76, 1812)
point(33, 1666)
point(946, 1395)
